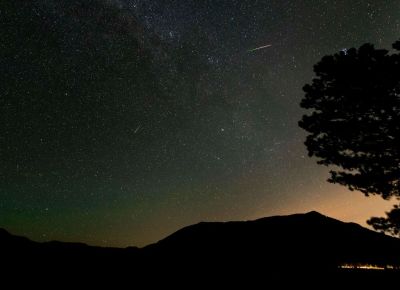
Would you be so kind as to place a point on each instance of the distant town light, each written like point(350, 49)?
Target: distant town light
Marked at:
point(368, 267)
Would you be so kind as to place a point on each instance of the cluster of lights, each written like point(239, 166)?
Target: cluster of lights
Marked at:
point(369, 267)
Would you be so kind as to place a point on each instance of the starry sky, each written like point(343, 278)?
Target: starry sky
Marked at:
point(125, 120)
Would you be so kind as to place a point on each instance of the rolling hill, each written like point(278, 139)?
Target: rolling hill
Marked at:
point(271, 246)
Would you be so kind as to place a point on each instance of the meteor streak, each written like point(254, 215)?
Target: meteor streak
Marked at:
point(258, 48)
point(137, 129)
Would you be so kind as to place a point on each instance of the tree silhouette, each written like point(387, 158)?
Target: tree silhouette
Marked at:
point(354, 123)
point(390, 224)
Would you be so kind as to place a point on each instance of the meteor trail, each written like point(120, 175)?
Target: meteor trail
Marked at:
point(258, 48)
point(137, 129)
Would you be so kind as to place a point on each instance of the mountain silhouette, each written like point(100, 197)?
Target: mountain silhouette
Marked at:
point(267, 247)
point(290, 242)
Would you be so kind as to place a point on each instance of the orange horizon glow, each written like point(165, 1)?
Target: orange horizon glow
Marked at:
point(336, 202)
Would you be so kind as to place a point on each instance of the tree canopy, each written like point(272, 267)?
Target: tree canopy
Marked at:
point(354, 122)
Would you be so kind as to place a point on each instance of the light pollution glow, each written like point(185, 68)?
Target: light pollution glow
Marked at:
point(336, 202)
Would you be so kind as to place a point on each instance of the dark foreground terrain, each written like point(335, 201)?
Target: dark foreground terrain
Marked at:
point(302, 248)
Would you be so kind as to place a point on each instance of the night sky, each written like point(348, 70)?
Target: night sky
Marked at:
point(123, 121)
